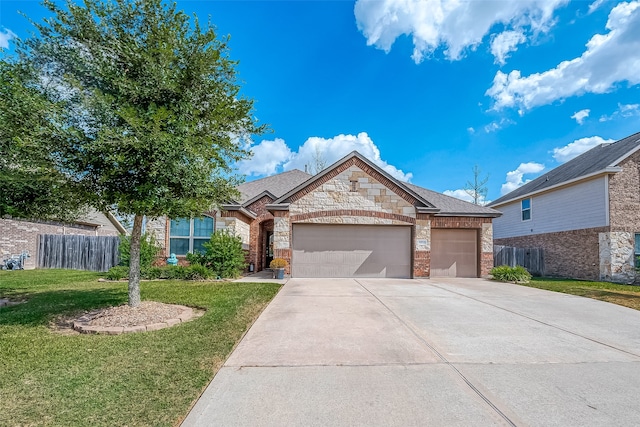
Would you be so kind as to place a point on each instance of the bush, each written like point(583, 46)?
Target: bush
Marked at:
point(197, 272)
point(192, 272)
point(149, 249)
point(278, 263)
point(504, 273)
point(118, 272)
point(223, 255)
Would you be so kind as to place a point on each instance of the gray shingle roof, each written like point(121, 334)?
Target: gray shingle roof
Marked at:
point(593, 161)
point(275, 184)
point(284, 183)
point(450, 205)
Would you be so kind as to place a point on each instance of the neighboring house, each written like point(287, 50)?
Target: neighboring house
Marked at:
point(585, 214)
point(19, 235)
point(350, 220)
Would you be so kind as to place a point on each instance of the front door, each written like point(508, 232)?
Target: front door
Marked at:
point(269, 249)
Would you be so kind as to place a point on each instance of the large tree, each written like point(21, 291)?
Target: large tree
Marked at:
point(30, 186)
point(153, 100)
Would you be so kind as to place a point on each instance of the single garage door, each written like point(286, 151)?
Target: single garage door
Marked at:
point(454, 253)
point(351, 251)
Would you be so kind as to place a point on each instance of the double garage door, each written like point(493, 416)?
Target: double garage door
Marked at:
point(351, 251)
point(378, 251)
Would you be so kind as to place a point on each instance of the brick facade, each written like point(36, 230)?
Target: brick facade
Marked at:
point(18, 235)
point(572, 253)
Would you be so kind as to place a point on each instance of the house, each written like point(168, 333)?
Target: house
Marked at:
point(19, 235)
point(585, 214)
point(351, 220)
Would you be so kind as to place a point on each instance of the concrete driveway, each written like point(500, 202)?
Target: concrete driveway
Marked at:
point(385, 352)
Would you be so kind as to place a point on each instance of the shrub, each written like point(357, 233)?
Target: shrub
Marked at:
point(223, 255)
point(197, 272)
point(278, 263)
point(118, 272)
point(151, 273)
point(149, 249)
point(504, 273)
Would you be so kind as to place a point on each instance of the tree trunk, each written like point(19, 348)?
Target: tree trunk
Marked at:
point(134, 262)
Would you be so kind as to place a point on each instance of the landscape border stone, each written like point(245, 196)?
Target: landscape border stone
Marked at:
point(82, 324)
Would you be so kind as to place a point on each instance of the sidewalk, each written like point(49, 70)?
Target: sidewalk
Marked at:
point(264, 276)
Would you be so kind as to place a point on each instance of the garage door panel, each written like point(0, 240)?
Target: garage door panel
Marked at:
point(454, 253)
point(351, 251)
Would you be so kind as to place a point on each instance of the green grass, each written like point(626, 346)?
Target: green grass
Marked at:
point(625, 295)
point(151, 378)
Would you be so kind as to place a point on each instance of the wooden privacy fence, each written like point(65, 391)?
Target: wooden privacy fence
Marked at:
point(93, 253)
point(530, 258)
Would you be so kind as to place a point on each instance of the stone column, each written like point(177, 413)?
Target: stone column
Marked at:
point(422, 246)
point(486, 248)
point(281, 237)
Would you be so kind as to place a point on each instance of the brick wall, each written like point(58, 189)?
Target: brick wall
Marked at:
point(18, 235)
point(259, 227)
point(572, 253)
point(624, 196)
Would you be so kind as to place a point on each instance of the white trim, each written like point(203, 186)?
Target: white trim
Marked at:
point(191, 236)
point(530, 209)
point(607, 210)
point(627, 154)
point(607, 170)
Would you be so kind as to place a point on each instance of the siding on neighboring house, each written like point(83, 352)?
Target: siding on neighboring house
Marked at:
point(579, 206)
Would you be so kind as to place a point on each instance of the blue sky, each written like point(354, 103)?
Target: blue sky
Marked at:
point(426, 88)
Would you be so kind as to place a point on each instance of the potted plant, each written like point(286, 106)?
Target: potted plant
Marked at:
point(278, 265)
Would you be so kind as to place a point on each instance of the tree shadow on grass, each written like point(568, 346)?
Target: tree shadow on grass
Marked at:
point(40, 308)
point(631, 300)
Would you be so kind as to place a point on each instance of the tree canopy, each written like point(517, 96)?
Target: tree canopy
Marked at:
point(152, 112)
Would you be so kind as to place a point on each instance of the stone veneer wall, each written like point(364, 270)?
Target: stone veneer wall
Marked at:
point(281, 237)
point(18, 235)
point(159, 228)
point(574, 253)
point(236, 223)
point(339, 194)
point(617, 256)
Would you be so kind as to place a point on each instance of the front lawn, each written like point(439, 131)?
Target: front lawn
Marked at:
point(150, 378)
point(625, 295)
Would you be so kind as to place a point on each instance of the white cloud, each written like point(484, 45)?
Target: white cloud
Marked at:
point(339, 146)
point(471, 130)
point(5, 36)
point(504, 43)
point(515, 177)
point(608, 59)
point(267, 157)
point(497, 125)
point(271, 156)
point(577, 147)
point(596, 5)
point(462, 194)
point(624, 111)
point(453, 25)
point(579, 116)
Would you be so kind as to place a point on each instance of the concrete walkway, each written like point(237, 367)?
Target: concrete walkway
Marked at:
point(376, 352)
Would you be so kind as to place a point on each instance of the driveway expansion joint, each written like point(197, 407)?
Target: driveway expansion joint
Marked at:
point(444, 359)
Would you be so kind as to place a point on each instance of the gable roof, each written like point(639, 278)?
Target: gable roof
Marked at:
point(274, 186)
point(601, 159)
point(451, 206)
point(427, 201)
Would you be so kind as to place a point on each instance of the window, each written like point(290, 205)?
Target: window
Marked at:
point(188, 235)
point(637, 250)
point(526, 209)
